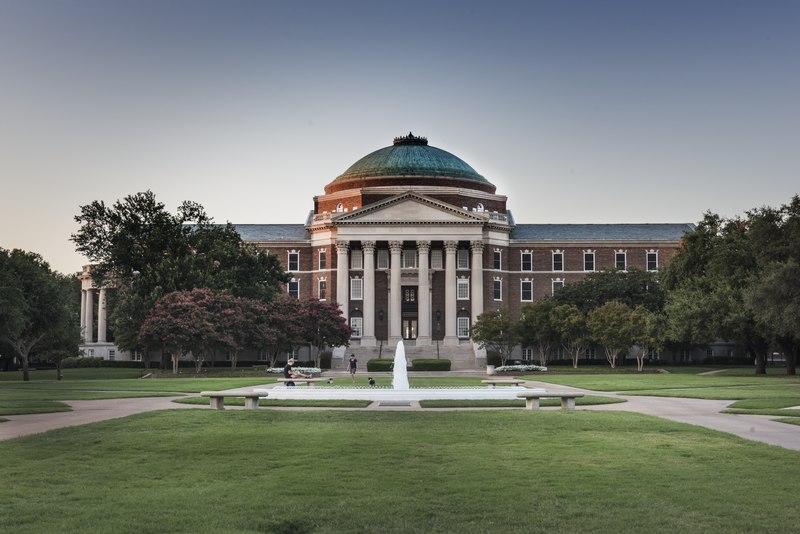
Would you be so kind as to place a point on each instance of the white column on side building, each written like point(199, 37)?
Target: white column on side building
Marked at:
point(83, 313)
point(368, 336)
point(476, 283)
point(450, 313)
point(342, 278)
point(395, 299)
point(88, 334)
point(423, 295)
point(101, 316)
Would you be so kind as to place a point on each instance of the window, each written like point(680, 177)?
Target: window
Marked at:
point(620, 260)
point(383, 258)
point(558, 260)
point(294, 261)
point(436, 259)
point(462, 327)
point(112, 354)
point(498, 289)
point(323, 263)
point(262, 356)
point(409, 258)
point(357, 259)
point(339, 208)
point(462, 259)
point(356, 289)
point(588, 261)
point(652, 260)
point(527, 354)
point(291, 353)
point(527, 261)
point(557, 284)
point(498, 260)
point(357, 326)
point(462, 289)
point(294, 288)
point(526, 291)
point(409, 294)
point(91, 353)
point(480, 208)
point(136, 356)
point(322, 287)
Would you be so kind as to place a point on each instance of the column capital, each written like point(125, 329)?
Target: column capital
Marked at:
point(451, 247)
point(477, 247)
point(342, 247)
point(368, 247)
point(424, 246)
point(396, 246)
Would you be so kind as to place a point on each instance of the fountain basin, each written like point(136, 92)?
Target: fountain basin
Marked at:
point(377, 394)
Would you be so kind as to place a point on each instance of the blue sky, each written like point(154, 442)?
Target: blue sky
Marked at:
point(602, 111)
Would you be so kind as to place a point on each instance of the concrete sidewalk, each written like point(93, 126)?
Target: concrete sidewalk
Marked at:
point(700, 412)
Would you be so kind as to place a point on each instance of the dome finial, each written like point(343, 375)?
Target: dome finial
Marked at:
point(410, 139)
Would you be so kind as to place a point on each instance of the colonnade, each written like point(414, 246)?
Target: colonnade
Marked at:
point(87, 315)
point(423, 283)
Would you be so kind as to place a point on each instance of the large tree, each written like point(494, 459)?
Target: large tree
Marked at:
point(497, 332)
point(609, 326)
point(632, 288)
point(34, 306)
point(573, 333)
point(138, 246)
point(323, 325)
point(537, 328)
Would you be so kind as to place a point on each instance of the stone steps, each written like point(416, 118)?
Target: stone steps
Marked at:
point(462, 356)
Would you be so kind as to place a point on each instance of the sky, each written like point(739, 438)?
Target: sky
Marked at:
point(578, 111)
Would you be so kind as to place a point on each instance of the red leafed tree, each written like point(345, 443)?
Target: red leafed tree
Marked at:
point(323, 325)
point(280, 328)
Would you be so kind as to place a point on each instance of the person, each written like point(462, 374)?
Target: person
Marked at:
point(288, 372)
point(353, 366)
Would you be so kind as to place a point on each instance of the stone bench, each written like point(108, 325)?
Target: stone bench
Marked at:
point(532, 399)
point(217, 399)
point(309, 381)
point(494, 382)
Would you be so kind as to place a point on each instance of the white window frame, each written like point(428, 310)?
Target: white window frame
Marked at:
point(409, 258)
point(356, 327)
point(560, 254)
point(322, 289)
point(293, 256)
point(497, 260)
point(462, 288)
point(356, 259)
point(586, 255)
point(555, 285)
point(436, 259)
point(356, 288)
point(383, 258)
point(647, 260)
point(322, 259)
point(527, 354)
point(136, 356)
point(462, 259)
point(296, 283)
point(529, 254)
point(497, 289)
point(522, 284)
point(462, 327)
point(112, 354)
point(624, 255)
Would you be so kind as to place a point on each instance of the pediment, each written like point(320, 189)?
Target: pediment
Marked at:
point(409, 208)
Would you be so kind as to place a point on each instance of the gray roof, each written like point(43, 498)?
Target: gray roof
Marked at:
point(272, 232)
point(601, 232)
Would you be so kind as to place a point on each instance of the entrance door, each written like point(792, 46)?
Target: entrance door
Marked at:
point(409, 329)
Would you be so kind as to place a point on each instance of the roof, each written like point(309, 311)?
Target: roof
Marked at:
point(601, 232)
point(272, 232)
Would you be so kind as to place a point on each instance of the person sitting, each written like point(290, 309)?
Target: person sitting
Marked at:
point(288, 372)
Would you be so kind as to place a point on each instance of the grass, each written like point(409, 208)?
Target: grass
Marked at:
point(235, 401)
point(343, 471)
point(588, 400)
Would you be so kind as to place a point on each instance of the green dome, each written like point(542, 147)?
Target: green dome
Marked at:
point(411, 156)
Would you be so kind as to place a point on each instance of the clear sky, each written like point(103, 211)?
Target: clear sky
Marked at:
point(578, 111)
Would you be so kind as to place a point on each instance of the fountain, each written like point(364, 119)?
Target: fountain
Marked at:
point(399, 392)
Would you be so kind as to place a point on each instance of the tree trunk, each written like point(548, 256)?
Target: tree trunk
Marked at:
point(174, 364)
point(26, 374)
point(790, 350)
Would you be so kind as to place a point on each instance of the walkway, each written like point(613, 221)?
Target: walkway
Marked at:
point(705, 413)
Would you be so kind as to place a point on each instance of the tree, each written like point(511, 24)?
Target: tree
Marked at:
point(647, 330)
point(497, 332)
point(632, 288)
point(33, 307)
point(572, 331)
point(609, 326)
point(323, 325)
point(537, 327)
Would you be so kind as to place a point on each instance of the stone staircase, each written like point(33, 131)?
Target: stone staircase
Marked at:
point(461, 356)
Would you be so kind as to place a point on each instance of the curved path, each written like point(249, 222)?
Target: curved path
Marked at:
point(701, 412)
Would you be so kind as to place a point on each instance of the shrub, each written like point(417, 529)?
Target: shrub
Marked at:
point(380, 365)
point(430, 365)
point(325, 360)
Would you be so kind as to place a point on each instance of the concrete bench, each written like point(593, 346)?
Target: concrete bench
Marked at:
point(217, 399)
point(309, 381)
point(532, 399)
point(494, 382)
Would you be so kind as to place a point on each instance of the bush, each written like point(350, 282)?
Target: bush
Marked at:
point(430, 365)
point(493, 358)
point(325, 360)
point(382, 365)
point(84, 362)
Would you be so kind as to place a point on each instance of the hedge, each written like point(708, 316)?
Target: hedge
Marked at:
point(430, 365)
point(382, 365)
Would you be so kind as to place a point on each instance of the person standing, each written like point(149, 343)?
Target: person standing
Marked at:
point(353, 365)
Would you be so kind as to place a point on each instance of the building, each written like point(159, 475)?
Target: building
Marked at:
point(414, 244)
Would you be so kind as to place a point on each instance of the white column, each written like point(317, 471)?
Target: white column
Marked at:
point(450, 313)
point(88, 338)
point(423, 295)
point(476, 283)
point(368, 336)
point(83, 313)
point(395, 309)
point(342, 278)
point(101, 316)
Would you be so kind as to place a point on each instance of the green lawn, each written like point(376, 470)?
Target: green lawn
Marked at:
point(342, 471)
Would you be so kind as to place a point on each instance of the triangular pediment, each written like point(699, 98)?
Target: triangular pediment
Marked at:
point(411, 208)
